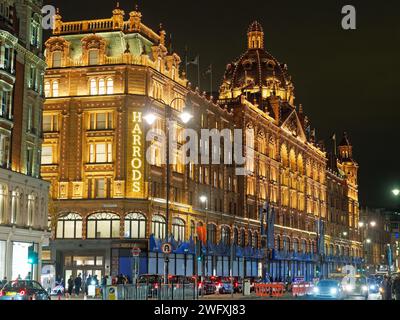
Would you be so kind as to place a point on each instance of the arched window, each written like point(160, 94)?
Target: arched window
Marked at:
point(135, 226)
point(93, 87)
point(226, 235)
point(278, 243)
point(57, 56)
point(102, 87)
point(242, 238)
point(212, 233)
point(285, 244)
point(55, 88)
point(178, 229)
point(103, 226)
point(31, 209)
point(250, 239)
point(110, 86)
point(304, 246)
point(255, 242)
point(93, 57)
point(332, 250)
point(295, 245)
point(47, 89)
point(69, 227)
point(158, 227)
point(235, 236)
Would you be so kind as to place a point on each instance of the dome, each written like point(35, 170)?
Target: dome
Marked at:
point(256, 70)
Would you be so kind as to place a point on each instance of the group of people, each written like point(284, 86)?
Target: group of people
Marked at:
point(77, 285)
point(391, 288)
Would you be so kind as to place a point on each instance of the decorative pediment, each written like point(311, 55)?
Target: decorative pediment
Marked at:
point(93, 42)
point(293, 125)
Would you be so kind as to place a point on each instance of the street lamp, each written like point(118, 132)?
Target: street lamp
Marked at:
point(204, 200)
point(396, 192)
point(373, 224)
point(345, 234)
point(151, 118)
point(368, 241)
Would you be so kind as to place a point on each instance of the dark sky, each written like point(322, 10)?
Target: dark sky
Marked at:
point(346, 80)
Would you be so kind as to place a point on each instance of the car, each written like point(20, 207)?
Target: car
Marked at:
point(224, 286)
point(207, 287)
point(374, 286)
point(23, 290)
point(357, 288)
point(328, 289)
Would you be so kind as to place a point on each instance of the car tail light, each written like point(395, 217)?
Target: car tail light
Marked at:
point(200, 285)
point(1, 293)
point(156, 286)
point(22, 293)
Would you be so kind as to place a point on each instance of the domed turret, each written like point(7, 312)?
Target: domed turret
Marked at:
point(257, 71)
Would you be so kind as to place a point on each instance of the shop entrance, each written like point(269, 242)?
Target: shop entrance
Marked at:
point(84, 266)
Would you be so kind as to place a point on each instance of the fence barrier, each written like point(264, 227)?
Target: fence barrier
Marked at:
point(150, 292)
point(275, 290)
point(302, 289)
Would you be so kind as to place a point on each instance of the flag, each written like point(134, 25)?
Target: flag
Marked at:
point(262, 212)
point(194, 62)
point(271, 227)
point(321, 236)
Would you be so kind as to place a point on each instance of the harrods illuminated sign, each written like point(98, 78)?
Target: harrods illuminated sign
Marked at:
point(137, 154)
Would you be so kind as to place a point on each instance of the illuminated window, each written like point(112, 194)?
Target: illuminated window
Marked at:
point(47, 155)
point(110, 86)
point(31, 209)
point(55, 88)
point(226, 235)
point(178, 229)
point(57, 56)
point(103, 226)
point(100, 188)
point(102, 87)
point(47, 89)
point(93, 57)
point(100, 153)
point(158, 227)
point(93, 87)
point(101, 121)
point(50, 123)
point(69, 227)
point(135, 226)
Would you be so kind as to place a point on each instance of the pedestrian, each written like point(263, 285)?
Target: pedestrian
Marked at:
point(387, 288)
point(78, 284)
point(70, 286)
point(396, 287)
point(19, 278)
point(88, 283)
point(120, 279)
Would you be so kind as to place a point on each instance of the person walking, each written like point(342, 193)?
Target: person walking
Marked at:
point(70, 287)
point(396, 287)
point(78, 285)
point(88, 283)
point(387, 289)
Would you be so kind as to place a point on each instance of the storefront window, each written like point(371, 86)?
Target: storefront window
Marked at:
point(225, 235)
point(135, 226)
point(69, 227)
point(20, 265)
point(103, 226)
point(212, 233)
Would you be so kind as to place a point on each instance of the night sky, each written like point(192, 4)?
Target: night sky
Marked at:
point(346, 80)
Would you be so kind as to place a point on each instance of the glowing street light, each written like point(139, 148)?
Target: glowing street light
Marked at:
point(361, 224)
point(373, 224)
point(368, 241)
point(396, 192)
point(150, 118)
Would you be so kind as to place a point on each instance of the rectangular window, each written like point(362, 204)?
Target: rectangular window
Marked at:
point(57, 59)
point(101, 156)
point(100, 188)
point(50, 123)
point(47, 155)
point(93, 57)
point(101, 121)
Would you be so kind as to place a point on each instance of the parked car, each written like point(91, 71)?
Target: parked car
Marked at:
point(207, 287)
point(23, 290)
point(153, 282)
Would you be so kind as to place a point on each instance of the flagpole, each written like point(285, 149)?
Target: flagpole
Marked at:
point(211, 89)
point(186, 61)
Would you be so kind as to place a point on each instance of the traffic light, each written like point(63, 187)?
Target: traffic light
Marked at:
point(32, 256)
point(199, 253)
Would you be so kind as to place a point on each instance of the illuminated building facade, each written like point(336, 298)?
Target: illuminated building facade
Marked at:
point(23, 195)
point(103, 76)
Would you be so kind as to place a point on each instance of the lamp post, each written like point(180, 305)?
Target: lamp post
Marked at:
point(365, 226)
point(185, 116)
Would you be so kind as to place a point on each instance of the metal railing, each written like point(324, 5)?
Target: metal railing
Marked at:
point(150, 292)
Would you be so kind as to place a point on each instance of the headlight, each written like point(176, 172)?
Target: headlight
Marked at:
point(316, 290)
point(334, 291)
point(364, 288)
point(349, 287)
point(372, 287)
